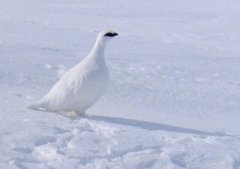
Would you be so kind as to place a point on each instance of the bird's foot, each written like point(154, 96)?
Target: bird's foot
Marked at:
point(73, 114)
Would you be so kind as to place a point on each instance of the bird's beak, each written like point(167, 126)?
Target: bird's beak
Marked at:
point(114, 34)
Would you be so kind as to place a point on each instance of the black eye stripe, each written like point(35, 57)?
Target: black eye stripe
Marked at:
point(111, 34)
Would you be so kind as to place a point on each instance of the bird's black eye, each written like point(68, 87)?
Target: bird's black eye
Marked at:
point(111, 34)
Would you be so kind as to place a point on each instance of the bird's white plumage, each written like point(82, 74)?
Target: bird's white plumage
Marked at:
point(82, 85)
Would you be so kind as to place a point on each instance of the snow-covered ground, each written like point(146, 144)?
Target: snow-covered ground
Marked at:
point(173, 101)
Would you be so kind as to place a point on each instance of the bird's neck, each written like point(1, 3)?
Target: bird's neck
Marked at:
point(97, 51)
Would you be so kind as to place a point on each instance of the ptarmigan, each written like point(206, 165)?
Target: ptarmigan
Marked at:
point(81, 86)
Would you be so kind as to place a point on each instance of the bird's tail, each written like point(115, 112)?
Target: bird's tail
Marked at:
point(40, 106)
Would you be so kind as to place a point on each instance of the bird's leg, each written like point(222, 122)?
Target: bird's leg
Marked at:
point(70, 114)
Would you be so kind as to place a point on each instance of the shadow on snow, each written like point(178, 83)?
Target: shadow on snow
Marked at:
point(152, 126)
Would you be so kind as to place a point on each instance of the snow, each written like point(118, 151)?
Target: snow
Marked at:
point(173, 101)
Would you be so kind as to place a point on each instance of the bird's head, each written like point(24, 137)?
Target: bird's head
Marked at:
point(109, 34)
point(105, 36)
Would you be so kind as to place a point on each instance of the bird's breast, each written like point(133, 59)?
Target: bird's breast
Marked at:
point(91, 85)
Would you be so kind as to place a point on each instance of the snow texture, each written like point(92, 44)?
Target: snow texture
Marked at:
point(173, 99)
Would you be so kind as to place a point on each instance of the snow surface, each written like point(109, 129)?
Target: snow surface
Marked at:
point(174, 96)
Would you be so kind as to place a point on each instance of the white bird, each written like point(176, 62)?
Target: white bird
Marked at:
point(81, 86)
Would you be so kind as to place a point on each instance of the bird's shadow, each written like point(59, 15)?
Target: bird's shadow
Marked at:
point(152, 126)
